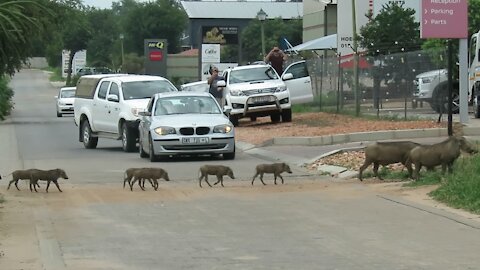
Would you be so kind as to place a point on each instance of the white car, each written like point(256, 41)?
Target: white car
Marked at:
point(432, 87)
point(65, 99)
point(257, 90)
point(185, 123)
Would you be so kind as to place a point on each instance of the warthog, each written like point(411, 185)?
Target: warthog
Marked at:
point(21, 175)
point(46, 175)
point(128, 176)
point(150, 174)
point(384, 153)
point(275, 168)
point(218, 170)
point(444, 153)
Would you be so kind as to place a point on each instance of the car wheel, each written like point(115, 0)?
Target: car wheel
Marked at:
point(440, 99)
point(287, 115)
point(151, 153)
point(59, 114)
point(128, 140)
point(142, 153)
point(253, 118)
point(234, 120)
point(229, 156)
point(275, 117)
point(89, 141)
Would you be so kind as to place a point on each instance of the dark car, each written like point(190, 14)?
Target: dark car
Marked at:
point(93, 70)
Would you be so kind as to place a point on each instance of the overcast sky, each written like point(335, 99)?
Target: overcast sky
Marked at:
point(103, 3)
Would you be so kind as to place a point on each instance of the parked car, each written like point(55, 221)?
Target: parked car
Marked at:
point(185, 123)
point(201, 86)
point(65, 99)
point(432, 87)
point(257, 90)
point(93, 70)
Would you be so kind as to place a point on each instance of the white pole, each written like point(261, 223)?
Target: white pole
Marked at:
point(463, 78)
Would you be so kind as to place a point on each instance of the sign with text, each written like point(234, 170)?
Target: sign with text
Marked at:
point(155, 57)
point(211, 53)
point(220, 34)
point(444, 19)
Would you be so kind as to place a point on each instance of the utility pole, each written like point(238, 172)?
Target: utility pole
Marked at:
point(355, 60)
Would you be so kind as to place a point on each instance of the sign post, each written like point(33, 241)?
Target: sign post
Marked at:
point(446, 19)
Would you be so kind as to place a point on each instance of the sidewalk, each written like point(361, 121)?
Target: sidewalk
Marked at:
point(300, 151)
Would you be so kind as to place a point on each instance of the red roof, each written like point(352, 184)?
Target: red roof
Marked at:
point(190, 52)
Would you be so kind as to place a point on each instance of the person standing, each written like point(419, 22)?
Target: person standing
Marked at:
point(276, 58)
point(217, 92)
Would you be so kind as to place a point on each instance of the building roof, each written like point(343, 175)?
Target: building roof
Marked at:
point(241, 9)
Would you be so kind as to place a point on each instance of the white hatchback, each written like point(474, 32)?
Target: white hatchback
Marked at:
point(65, 99)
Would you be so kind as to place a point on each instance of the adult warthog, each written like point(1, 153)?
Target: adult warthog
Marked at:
point(384, 153)
point(443, 153)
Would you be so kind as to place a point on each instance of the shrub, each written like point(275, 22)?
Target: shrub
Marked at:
point(6, 94)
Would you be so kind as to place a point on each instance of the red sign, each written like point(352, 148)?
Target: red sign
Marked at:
point(444, 19)
point(156, 56)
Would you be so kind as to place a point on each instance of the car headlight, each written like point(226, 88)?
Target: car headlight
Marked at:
point(165, 130)
point(61, 103)
point(222, 129)
point(281, 89)
point(236, 93)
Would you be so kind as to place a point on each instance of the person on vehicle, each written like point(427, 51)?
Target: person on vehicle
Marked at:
point(276, 58)
point(216, 92)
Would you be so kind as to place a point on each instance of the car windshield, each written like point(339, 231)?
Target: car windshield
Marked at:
point(67, 93)
point(145, 89)
point(253, 74)
point(186, 105)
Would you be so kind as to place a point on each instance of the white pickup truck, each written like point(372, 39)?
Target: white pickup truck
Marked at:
point(107, 106)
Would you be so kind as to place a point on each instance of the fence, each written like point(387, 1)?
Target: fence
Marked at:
point(386, 82)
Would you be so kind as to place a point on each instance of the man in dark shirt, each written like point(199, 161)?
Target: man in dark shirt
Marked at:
point(275, 58)
point(216, 92)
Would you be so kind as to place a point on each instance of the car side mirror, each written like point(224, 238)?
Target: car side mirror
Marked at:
point(145, 113)
point(113, 98)
point(227, 109)
point(287, 76)
point(221, 83)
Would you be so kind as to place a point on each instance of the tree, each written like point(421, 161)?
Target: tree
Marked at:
point(392, 31)
point(18, 24)
point(160, 19)
point(274, 29)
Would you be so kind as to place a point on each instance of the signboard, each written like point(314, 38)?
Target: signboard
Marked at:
point(220, 34)
point(211, 53)
point(79, 61)
point(155, 57)
point(345, 25)
point(444, 19)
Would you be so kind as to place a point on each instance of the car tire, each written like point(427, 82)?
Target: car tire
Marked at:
point(440, 98)
point(229, 156)
point(234, 120)
point(151, 153)
point(275, 117)
point(253, 118)
point(287, 115)
point(128, 140)
point(59, 114)
point(142, 153)
point(89, 141)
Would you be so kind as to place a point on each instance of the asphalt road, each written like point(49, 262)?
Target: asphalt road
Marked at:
point(311, 222)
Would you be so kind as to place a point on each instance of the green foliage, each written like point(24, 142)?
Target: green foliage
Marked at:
point(274, 30)
point(426, 178)
point(6, 95)
point(19, 23)
point(461, 189)
point(134, 64)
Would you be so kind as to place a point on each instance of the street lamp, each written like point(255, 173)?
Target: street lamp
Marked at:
point(121, 46)
point(261, 16)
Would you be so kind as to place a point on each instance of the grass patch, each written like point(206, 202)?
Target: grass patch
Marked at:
point(56, 75)
point(426, 178)
point(461, 189)
point(387, 174)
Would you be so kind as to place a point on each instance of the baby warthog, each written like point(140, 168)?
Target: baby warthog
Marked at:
point(218, 170)
point(46, 175)
point(384, 153)
point(444, 153)
point(275, 168)
point(21, 175)
point(150, 174)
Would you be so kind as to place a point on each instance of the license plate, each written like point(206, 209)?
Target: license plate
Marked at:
point(261, 99)
point(195, 140)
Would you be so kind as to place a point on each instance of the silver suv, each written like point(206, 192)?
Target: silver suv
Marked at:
point(432, 87)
